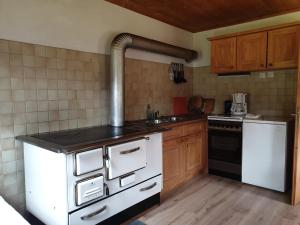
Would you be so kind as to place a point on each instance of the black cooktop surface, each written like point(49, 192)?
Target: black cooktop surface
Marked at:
point(70, 141)
point(85, 135)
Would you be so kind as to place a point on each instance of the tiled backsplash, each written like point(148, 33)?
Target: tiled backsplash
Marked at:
point(45, 89)
point(268, 95)
point(48, 89)
point(148, 82)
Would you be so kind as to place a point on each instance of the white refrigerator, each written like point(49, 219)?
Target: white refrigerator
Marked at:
point(264, 154)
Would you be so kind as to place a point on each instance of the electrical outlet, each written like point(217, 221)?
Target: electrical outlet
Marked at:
point(262, 75)
point(270, 74)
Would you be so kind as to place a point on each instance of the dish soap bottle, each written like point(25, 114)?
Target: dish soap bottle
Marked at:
point(148, 112)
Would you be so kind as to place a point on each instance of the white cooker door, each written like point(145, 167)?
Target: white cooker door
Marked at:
point(126, 158)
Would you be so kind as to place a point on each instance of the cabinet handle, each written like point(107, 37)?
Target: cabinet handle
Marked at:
point(262, 65)
point(89, 216)
point(107, 161)
point(149, 187)
point(270, 64)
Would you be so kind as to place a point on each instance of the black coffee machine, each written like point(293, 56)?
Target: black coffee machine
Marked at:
point(227, 107)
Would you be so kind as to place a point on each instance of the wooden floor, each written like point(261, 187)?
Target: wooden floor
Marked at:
point(211, 200)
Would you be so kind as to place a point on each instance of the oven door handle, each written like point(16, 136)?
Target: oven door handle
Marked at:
point(149, 187)
point(130, 151)
point(89, 216)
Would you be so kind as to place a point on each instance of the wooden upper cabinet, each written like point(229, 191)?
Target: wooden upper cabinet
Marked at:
point(223, 55)
point(261, 49)
point(283, 48)
point(252, 51)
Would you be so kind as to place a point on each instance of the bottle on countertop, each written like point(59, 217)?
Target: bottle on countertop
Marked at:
point(148, 112)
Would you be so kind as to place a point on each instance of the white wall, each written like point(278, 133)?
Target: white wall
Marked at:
point(86, 25)
point(90, 25)
point(202, 45)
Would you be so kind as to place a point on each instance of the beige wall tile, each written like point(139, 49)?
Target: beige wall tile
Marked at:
point(28, 61)
point(40, 50)
point(14, 71)
point(42, 106)
point(5, 96)
point(5, 83)
point(40, 61)
point(6, 107)
point(4, 59)
point(4, 46)
point(15, 47)
point(28, 49)
point(31, 117)
point(6, 120)
point(5, 71)
point(42, 94)
point(43, 116)
point(53, 105)
point(8, 155)
point(43, 127)
point(32, 128)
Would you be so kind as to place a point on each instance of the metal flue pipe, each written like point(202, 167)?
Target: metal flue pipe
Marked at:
point(118, 47)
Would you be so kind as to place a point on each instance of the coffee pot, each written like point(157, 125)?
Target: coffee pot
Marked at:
point(239, 104)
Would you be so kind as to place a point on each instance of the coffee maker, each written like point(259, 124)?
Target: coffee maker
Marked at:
point(239, 104)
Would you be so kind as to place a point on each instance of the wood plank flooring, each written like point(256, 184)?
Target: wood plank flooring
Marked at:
point(211, 200)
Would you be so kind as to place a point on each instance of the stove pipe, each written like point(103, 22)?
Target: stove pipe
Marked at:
point(118, 47)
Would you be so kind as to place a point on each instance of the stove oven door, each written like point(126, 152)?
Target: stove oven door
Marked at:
point(225, 146)
point(225, 153)
point(125, 158)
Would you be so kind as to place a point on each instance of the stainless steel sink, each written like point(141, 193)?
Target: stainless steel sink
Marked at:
point(157, 121)
point(165, 119)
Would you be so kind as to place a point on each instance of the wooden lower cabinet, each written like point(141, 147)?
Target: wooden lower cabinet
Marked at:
point(184, 155)
point(194, 155)
point(174, 166)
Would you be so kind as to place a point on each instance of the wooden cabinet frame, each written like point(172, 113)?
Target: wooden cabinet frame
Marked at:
point(182, 141)
point(295, 196)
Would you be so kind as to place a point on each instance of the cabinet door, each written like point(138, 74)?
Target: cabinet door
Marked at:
point(194, 155)
point(252, 51)
point(283, 48)
point(173, 164)
point(223, 55)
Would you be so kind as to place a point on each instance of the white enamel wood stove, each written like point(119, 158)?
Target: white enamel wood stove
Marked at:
point(90, 186)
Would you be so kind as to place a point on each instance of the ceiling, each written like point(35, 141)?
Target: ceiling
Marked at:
point(200, 15)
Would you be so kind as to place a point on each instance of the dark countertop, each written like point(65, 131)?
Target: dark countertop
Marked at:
point(70, 141)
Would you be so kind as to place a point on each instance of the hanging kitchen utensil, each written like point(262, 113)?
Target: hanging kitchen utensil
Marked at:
point(176, 78)
point(176, 73)
point(182, 73)
point(171, 72)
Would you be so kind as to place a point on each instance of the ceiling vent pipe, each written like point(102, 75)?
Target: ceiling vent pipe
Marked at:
point(118, 47)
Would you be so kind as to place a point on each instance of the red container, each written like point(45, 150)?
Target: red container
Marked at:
point(180, 106)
